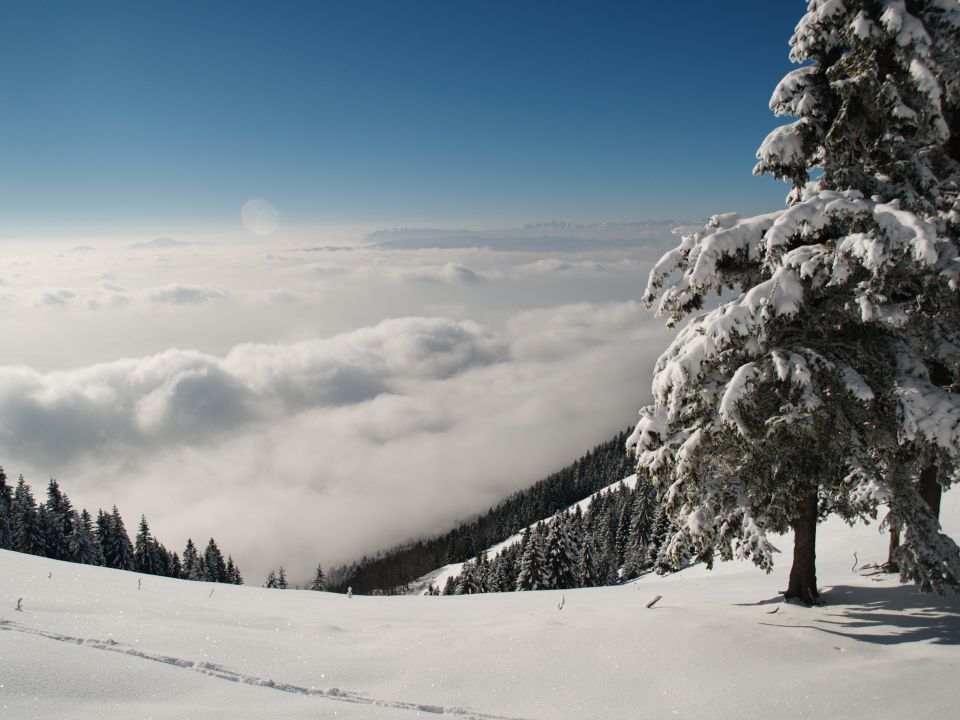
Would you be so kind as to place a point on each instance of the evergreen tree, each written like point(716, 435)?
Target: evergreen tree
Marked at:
point(450, 586)
point(659, 535)
point(468, 581)
point(102, 532)
point(27, 530)
point(560, 559)
point(811, 390)
point(499, 576)
point(119, 554)
point(164, 558)
point(215, 569)
point(281, 579)
point(588, 567)
point(233, 572)
point(641, 525)
point(176, 566)
point(532, 564)
point(271, 581)
point(622, 536)
point(58, 522)
point(318, 579)
point(145, 554)
point(6, 509)
point(609, 568)
point(483, 570)
point(84, 546)
point(665, 560)
point(190, 563)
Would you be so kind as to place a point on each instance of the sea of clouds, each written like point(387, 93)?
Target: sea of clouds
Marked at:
point(307, 401)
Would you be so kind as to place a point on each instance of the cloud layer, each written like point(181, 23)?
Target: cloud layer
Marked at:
point(263, 399)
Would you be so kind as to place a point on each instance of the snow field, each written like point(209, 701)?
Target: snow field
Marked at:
point(90, 645)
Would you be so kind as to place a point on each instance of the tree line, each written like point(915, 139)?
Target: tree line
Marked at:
point(55, 529)
point(621, 534)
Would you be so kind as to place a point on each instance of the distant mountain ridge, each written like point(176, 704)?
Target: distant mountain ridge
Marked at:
point(552, 236)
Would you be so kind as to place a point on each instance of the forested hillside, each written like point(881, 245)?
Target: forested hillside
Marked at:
point(392, 570)
point(55, 529)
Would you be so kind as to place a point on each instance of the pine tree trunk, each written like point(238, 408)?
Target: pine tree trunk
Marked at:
point(891, 565)
point(803, 574)
point(931, 490)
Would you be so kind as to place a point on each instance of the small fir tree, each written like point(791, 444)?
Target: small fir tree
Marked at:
point(317, 583)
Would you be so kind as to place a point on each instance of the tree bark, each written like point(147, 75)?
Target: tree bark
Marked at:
point(931, 490)
point(803, 574)
point(891, 565)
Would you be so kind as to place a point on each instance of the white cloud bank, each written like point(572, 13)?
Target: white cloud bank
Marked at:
point(264, 400)
point(325, 449)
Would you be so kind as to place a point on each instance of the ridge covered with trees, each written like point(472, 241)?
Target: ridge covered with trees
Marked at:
point(393, 570)
point(618, 536)
point(56, 530)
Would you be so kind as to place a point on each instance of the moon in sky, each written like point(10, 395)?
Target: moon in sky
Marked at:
point(259, 217)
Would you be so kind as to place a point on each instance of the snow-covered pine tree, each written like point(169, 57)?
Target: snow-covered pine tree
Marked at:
point(641, 525)
point(6, 503)
point(560, 557)
point(233, 572)
point(281, 579)
point(28, 534)
point(588, 566)
point(622, 528)
point(499, 576)
point(810, 390)
point(120, 555)
point(531, 573)
point(216, 569)
point(58, 522)
point(468, 581)
point(483, 571)
point(83, 544)
point(174, 568)
point(318, 580)
point(145, 556)
point(166, 561)
point(190, 562)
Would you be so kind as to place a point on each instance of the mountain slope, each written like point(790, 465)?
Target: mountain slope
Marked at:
point(392, 570)
point(438, 578)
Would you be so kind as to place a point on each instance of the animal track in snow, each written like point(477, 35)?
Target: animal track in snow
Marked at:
point(218, 671)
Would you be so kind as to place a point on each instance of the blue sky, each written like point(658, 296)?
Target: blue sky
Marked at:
point(164, 116)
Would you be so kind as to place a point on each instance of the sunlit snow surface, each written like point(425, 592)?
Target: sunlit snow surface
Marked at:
point(720, 644)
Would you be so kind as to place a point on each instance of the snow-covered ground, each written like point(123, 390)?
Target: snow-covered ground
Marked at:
point(90, 644)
